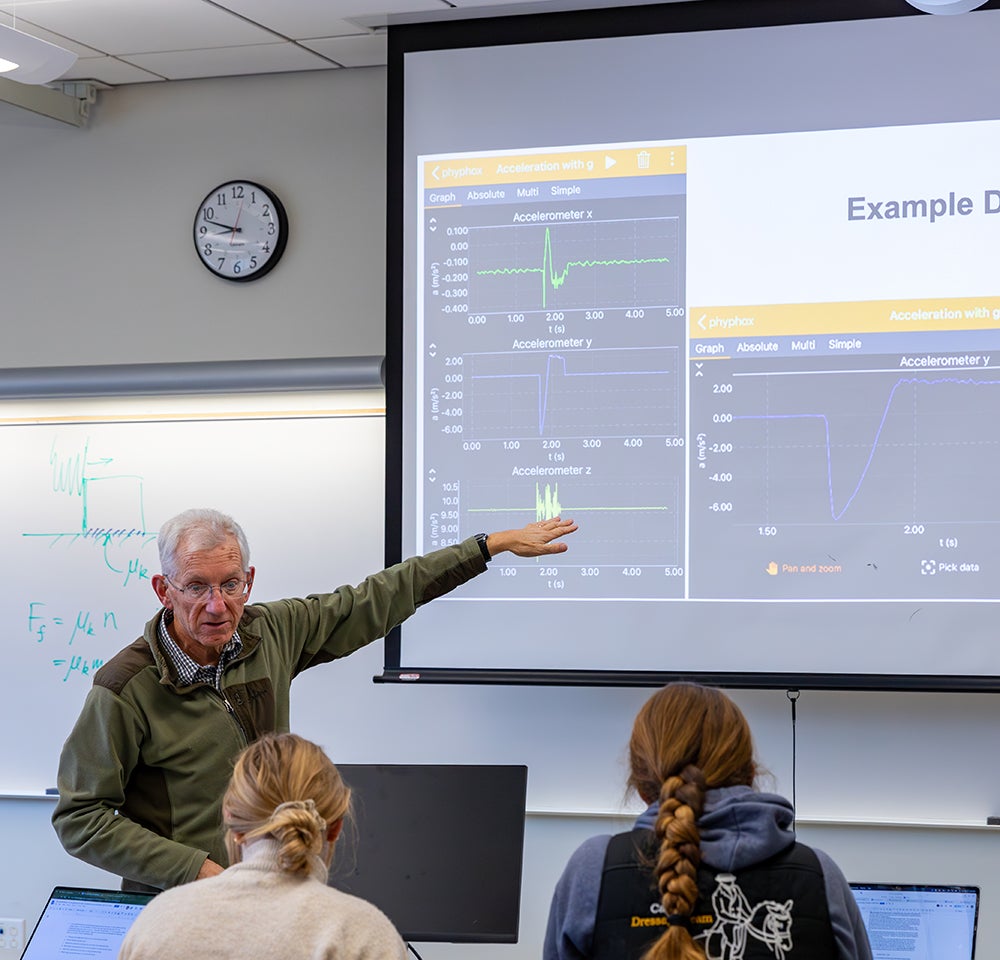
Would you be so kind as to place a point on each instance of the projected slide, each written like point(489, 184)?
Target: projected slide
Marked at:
point(813, 450)
point(554, 363)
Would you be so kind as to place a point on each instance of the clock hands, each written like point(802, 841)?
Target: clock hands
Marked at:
point(236, 225)
point(230, 228)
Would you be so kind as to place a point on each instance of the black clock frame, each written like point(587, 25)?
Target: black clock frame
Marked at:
point(279, 245)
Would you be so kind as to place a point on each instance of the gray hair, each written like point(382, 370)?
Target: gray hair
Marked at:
point(200, 529)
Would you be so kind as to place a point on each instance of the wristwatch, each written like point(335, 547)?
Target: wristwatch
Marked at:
point(483, 546)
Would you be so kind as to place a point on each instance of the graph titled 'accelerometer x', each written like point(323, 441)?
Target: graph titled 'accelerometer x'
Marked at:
point(552, 372)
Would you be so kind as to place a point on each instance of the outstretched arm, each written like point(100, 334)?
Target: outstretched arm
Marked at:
point(534, 540)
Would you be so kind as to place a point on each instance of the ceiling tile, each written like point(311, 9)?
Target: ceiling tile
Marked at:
point(66, 43)
point(138, 41)
point(231, 61)
point(367, 50)
point(301, 19)
point(141, 26)
point(379, 14)
point(108, 70)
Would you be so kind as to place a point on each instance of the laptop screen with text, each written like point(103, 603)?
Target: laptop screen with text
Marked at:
point(82, 922)
point(919, 921)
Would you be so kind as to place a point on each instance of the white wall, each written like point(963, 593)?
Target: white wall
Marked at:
point(98, 267)
point(96, 234)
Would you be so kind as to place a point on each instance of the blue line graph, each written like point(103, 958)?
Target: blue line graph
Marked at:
point(835, 513)
point(586, 393)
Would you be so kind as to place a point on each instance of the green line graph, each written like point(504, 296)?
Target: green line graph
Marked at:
point(553, 277)
point(548, 505)
point(620, 527)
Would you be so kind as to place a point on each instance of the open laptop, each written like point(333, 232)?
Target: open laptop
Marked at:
point(82, 922)
point(909, 921)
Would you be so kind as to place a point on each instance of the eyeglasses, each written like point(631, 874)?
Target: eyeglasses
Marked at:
point(230, 589)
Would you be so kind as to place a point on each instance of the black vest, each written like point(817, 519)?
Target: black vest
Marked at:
point(774, 910)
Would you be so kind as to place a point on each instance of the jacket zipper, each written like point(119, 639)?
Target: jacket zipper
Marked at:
point(232, 713)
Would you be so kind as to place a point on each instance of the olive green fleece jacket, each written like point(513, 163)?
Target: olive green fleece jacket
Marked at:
point(143, 772)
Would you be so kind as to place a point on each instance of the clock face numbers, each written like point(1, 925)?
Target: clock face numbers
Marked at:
point(240, 230)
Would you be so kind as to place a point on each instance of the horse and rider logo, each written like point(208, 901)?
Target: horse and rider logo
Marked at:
point(736, 920)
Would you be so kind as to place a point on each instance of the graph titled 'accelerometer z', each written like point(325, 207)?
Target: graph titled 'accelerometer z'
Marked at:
point(553, 361)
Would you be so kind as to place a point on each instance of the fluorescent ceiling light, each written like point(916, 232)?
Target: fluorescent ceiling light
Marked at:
point(29, 60)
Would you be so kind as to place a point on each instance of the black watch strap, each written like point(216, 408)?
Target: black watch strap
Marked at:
point(483, 546)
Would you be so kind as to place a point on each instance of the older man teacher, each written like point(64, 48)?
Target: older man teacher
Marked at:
point(143, 771)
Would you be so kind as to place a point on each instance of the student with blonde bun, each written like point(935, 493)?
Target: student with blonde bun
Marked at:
point(283, 811)
point(712, 868)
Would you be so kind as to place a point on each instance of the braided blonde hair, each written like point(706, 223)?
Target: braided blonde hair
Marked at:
point(685, 740)
point(284, 787)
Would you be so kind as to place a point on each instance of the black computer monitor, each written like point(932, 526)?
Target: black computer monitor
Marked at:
point(438, 848)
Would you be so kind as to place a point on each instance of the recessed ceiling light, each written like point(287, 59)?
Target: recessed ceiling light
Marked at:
point(946, 6)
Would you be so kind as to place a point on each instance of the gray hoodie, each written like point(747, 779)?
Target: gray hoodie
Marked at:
point(739, 827)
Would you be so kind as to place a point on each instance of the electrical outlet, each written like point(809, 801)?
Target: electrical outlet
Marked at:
point(11, 937)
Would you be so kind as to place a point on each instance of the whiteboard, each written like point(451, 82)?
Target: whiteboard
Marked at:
point(87, 485)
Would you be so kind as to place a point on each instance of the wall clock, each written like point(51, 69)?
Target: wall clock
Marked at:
point(240, 230)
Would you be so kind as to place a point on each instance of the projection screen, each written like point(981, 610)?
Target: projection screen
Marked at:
point(724, 289)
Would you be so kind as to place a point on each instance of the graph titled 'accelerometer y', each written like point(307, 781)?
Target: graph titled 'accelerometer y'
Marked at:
point(552, 373)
